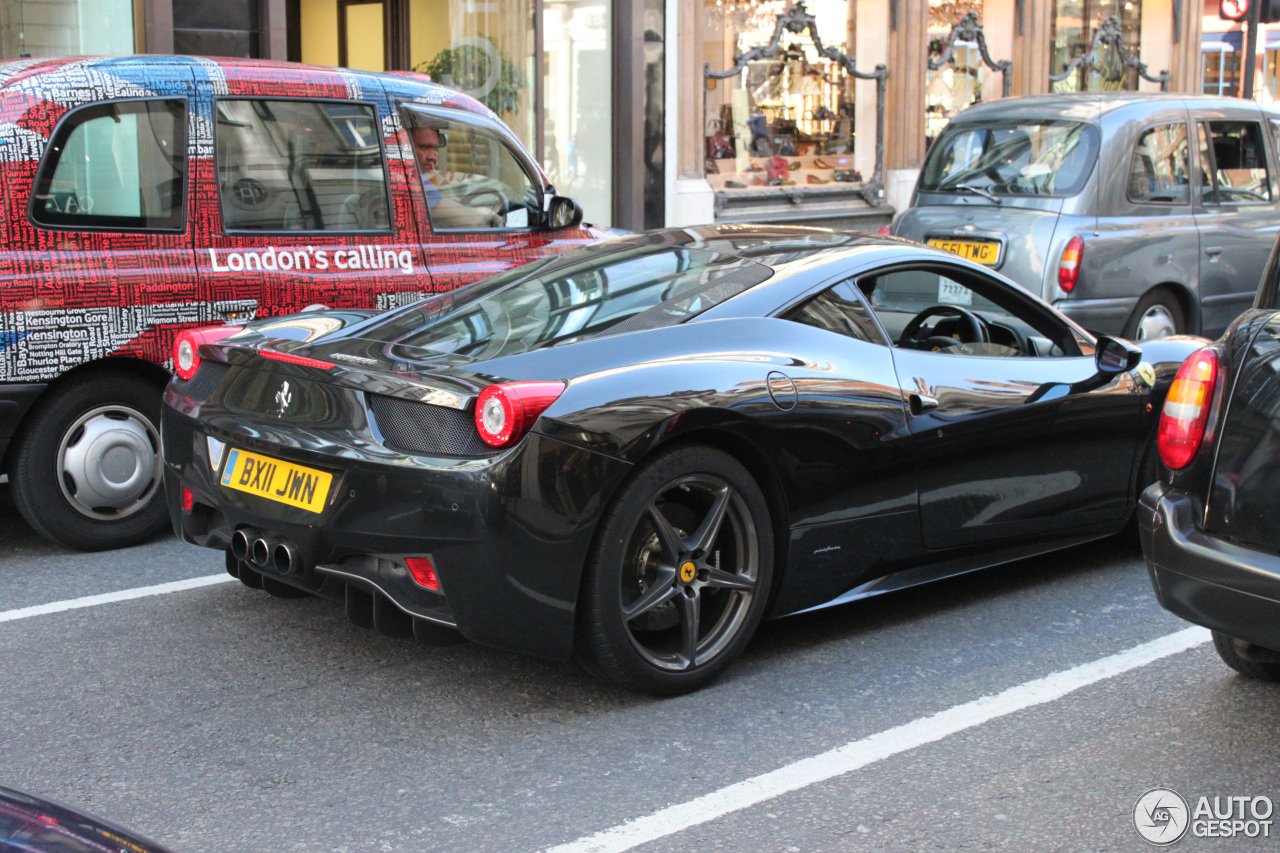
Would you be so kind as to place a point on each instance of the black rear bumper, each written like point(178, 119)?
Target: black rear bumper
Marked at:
point(508, 536)
point(1206, 579)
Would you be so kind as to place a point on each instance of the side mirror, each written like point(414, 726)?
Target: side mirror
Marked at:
point(563, 213)
point(1115, 356)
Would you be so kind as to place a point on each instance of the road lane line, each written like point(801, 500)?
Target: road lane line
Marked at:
point(111, 597)
point(858, 754)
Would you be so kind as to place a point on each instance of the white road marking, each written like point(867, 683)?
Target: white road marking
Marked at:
point(112, 597)
point(858, 754)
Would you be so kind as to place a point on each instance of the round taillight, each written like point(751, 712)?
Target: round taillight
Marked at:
point(505, 412)
point(1186, 409)
point(1069, 265)
point(186, 347)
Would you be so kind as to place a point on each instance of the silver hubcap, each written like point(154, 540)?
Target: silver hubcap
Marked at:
point(685, 595)
point(109, 463)
point(1157, 322)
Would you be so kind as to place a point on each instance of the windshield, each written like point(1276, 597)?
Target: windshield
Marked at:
point(644, 287)
point(1050, 158)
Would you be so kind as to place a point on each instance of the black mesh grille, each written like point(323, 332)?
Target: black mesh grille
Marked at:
point(395, 579)
point(206, 380)
point(422, 428)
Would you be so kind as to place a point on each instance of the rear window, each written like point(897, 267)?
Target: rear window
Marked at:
point(1044, 158)
point(580, 296)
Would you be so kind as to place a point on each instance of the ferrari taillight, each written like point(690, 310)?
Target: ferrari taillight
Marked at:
point(186, 347)
point(1186, 409)
point(423, 572)
point(1069, 265)
point(505, 412)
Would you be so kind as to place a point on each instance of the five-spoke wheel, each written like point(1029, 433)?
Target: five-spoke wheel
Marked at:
point(680, 574)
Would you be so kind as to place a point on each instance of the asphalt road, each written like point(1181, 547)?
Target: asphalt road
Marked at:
point(221, 719)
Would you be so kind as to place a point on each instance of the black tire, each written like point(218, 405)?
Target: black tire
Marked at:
point(698, 583)
point(1264, 670)
point(105, 426)
point(1157, 315)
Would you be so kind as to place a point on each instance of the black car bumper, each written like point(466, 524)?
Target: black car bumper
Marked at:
point(15, 400)
point(508, 536)
point(1205, 579)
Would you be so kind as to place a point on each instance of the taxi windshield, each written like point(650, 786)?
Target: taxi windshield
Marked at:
point(1044, 158)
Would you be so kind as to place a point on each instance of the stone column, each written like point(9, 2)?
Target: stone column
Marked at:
point(1184, 59)
point(1031, 47)
point(693, 201)
point(157, 27)
point(908, 61)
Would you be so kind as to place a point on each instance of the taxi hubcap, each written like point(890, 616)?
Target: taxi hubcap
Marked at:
point(109, 463)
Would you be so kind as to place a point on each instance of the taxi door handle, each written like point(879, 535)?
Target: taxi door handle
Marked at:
point(921, 403)
point(1213, 252)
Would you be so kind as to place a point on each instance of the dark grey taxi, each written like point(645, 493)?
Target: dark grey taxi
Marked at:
point(1137, 214)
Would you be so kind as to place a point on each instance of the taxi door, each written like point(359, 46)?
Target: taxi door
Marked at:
point(300, 205)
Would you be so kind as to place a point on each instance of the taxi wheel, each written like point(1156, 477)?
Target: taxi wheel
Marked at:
point(1261, 663)
point(679, 575)
point(87, 469)
point(1157, 315)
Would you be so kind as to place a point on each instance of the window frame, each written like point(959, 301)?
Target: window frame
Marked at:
point(56, 136)
point(392, 228)
point(1190, 167)
point(523, 160)
point(965, 276)
point(1211, 167)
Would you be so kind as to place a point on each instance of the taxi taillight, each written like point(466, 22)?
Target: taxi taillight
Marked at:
point(1186, 409)
point(1069, 265)
point(186, 347)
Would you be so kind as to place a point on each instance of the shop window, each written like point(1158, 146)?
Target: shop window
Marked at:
point(1158, 172)
point(300, 166)
point(1073, 24)
point(1220, 70)
point(116, 165)
point(471, 180)
point(1271, 75)
point(83, 28)
point(1233, 163)
point(786, 120)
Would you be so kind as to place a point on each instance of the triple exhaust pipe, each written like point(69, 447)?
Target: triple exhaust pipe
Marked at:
point(262, 550)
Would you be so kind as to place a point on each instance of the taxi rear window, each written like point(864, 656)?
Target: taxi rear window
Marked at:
point(116, 165)
point(1044, 158)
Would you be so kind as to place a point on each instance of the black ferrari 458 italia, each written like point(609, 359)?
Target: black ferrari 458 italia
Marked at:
point(632, 453)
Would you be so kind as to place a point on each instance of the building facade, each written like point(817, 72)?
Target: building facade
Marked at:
point(670, 112)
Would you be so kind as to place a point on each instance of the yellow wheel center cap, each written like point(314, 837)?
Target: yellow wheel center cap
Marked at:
point(688, 571)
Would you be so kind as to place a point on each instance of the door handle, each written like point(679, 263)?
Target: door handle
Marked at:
point(1213, 252)
point(921, 403)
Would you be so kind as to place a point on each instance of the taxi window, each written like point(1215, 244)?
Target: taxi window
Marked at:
point(471, 179)
point(295, 165)
point(1159, 171)
point(1234, 163)
point(118, 165)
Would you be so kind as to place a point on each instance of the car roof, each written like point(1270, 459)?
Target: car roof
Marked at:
point(1091, 106)
point(136, 76)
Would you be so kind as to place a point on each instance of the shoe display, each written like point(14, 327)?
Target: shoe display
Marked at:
point(712, 168)
point(823, 113)
point(814, 179)
point(819, 163)
point(753, 167)
point(796, 165)
point(735, 185)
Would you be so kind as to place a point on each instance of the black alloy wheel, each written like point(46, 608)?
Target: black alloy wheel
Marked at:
point(679, 576)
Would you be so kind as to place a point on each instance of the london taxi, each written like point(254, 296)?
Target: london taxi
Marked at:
point(145, 195)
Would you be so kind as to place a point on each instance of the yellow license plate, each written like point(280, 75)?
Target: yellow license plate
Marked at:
point(276, 480)
point(974, 250)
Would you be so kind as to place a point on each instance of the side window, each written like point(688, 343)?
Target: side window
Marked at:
point(837, 309)
point(928, 309)
point(472, 181)
point(116, 165)
point(1233, 162)
point(1160, 169)
point(300, 166)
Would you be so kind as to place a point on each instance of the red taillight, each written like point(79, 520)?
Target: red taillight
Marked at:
point(186, 347)
point(188, 499)
point(423, 571)
point(1069, 266)
point(504, 412)
point(274, 355)
point(886, 230)
point(1186, 409)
